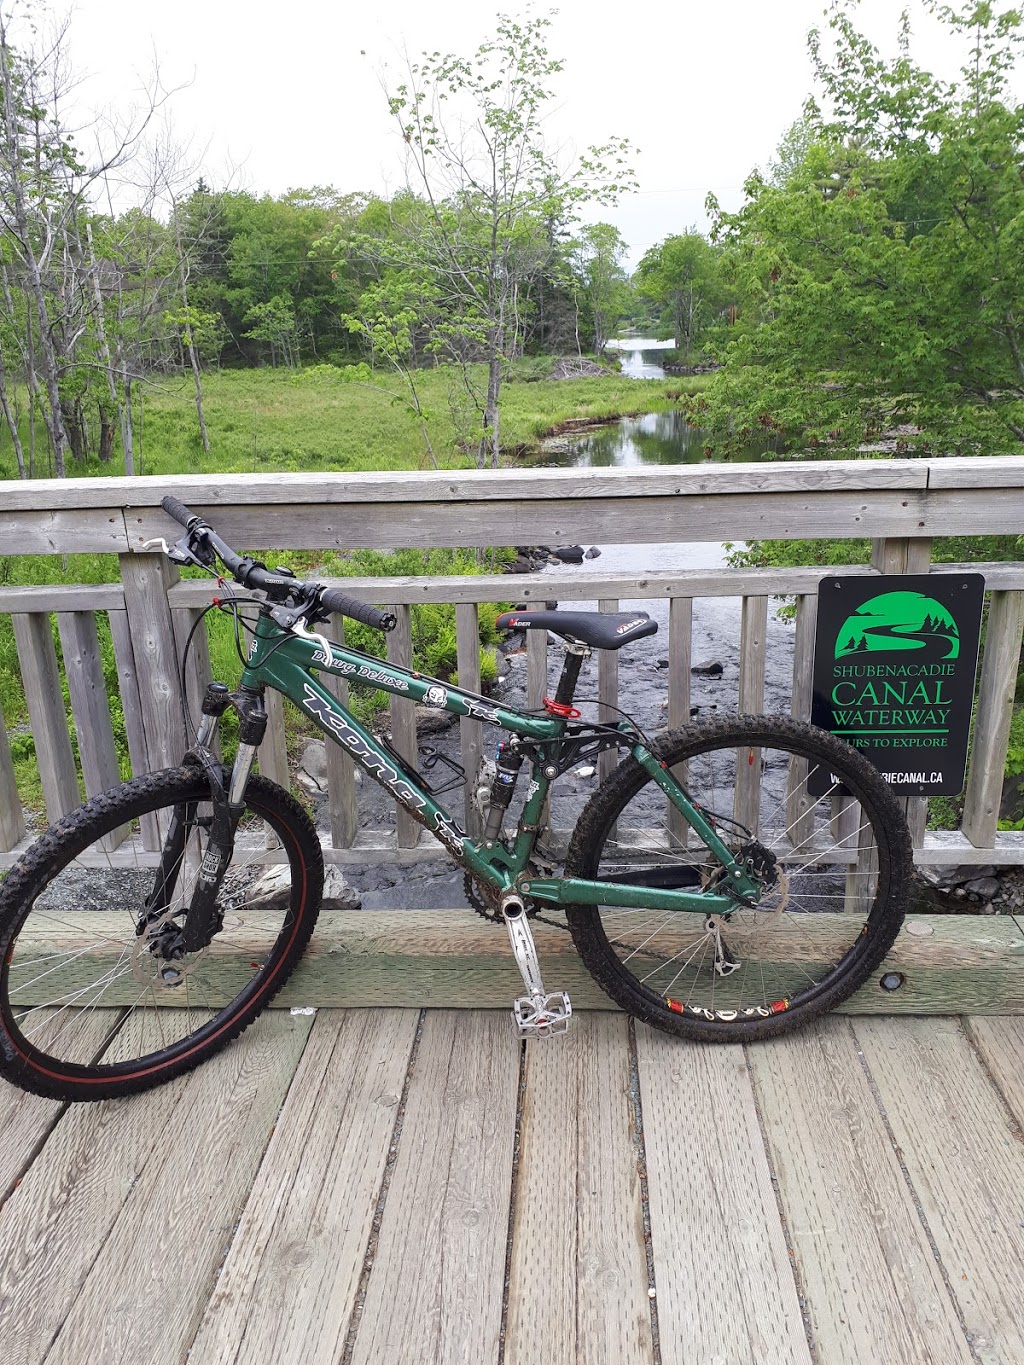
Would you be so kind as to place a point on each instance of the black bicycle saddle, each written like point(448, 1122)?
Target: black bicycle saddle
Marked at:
point(602, 630)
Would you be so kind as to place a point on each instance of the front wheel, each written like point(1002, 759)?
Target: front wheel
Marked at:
point(808, 816)
point(98, 996)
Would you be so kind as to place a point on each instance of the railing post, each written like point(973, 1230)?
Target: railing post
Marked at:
point(45, 701)
point(608, 694)
point(403, 718)
point(83, 667)
point(753, 657)
point(273, 753)
point(680, 637)
point(146, 581)
point(799, 805)
point(467, 636)
point(341, 771)
point(992, 719)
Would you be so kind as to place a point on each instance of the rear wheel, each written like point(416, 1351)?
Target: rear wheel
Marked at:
point(814, 821)
point(98, 996)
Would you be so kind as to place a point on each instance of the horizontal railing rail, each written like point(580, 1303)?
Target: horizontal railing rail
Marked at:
point(900, 505)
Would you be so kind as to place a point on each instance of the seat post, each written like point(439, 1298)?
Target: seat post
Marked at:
point(574, 656)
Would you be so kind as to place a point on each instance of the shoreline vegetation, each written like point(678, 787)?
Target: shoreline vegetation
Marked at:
point(329, 418)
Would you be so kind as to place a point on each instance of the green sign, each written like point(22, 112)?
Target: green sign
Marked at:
point(894, 666)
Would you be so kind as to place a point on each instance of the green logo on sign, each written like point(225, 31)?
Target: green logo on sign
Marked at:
point(900, 621)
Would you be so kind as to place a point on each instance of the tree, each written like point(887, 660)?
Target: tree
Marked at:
point(495, 194)
point(682, 277)
point(602, 284)
point(881, 274)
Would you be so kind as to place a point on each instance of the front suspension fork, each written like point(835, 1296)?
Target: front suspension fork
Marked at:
point(228, 805)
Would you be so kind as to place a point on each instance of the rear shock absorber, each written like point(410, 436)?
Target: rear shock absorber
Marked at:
point(508, 762)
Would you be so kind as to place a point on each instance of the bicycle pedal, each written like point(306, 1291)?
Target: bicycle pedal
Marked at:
point(542, 1016)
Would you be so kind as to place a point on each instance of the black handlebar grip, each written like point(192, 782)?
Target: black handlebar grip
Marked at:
point(334, 601)
point(177, 510)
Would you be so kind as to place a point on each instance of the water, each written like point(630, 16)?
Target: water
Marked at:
point(654, 438)
point(634, 349)
point(659, 438)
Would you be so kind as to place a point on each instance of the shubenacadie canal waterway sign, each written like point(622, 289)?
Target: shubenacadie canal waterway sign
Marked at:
point(895, 659)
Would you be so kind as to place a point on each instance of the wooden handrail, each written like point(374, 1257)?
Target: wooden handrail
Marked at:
point(900, 504)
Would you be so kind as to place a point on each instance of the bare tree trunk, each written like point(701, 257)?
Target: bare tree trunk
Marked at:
point(106, 428)
point(193, 357)
point(491, 414)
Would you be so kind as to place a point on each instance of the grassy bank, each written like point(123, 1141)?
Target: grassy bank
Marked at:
point(267, 421)
point(270, 421)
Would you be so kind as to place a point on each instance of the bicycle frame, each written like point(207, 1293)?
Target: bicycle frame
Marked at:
point(293, 666)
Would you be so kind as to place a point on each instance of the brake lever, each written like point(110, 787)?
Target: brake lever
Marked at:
point(180, 552)
point(292, 621)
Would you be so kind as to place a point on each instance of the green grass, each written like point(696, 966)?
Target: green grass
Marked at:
point(271, 421)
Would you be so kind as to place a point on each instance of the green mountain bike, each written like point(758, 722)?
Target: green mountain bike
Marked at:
point(727, 882)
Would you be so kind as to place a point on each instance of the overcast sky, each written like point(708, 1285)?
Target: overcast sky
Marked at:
point(290, 94)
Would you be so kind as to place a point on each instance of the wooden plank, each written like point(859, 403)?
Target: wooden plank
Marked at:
point(452, 958)
point(753, 652)
point(1000, 1044)
point(578, 1274)
point(273, 752)
point(961, 1152)
point(342, 806)
point(608, 694)
point(403, 718)
point(128, 684)
point(725, 1287)
point(206, 494)
point(993, 715)
point(25, 1119)
point(146, 580)
point(538, 588)
point(62, 597)
point(45, 701)
point(83, 667)
point(12, 817)
point(288, 1286)
point(626, 517)
point(44, 529)
point(467, 638)
point(81, 1224)
point(870, 1285)
point(995, 471)
point(435, 1289)
point(233, 1101)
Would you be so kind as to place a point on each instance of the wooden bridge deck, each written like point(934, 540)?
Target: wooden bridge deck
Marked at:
point(405, 1186)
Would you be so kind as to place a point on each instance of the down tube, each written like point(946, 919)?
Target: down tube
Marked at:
point(317, 703)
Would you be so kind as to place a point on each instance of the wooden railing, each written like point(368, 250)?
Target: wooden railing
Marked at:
point(900, 504)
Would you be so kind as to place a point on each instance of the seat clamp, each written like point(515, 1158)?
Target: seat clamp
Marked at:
point(561, 709)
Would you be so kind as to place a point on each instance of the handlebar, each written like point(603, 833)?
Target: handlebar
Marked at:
point(251, 574)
